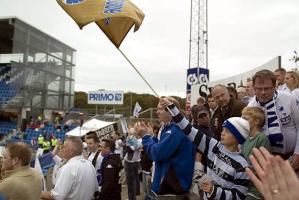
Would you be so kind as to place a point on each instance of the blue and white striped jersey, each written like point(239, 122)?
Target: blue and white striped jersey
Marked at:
point(226, 169)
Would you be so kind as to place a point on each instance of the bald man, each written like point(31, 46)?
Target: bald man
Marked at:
point(229, 107)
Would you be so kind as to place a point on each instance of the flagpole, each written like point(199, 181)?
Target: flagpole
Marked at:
point(142, 77)
point(138, 72)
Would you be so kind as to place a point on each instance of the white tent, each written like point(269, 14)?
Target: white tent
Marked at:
point(2, 148)
point(91, 125)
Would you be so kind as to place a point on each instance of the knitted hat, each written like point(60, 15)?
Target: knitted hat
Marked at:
point(239, 127)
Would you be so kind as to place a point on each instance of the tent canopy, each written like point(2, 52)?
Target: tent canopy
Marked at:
point(92, 125)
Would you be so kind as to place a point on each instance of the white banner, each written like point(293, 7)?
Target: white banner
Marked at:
point(203, 89)
point(236, 80)
point(105, 97)
point(124, 125)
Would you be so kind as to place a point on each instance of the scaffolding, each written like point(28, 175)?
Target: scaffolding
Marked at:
point(198, 43)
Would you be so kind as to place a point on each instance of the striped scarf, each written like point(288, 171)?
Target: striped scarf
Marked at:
point(272, 123)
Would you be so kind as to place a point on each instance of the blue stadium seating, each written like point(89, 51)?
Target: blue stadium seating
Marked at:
point(46, 131)
point(6, 127)
point(10, 83)
point(32, 133)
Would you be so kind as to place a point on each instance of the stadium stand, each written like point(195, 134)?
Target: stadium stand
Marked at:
point(6, 127)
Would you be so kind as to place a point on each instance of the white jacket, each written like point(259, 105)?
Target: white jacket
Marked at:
point(287, 109)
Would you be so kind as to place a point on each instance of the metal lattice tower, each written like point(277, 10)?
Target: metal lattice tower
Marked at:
point(198, 47)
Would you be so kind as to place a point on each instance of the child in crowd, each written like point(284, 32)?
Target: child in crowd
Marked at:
point(225, 164)
point(256, 118)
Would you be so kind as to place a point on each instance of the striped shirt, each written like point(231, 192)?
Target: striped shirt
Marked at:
point(226, 169)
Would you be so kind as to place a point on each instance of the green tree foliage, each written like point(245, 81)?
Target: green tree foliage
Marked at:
point(80, 100)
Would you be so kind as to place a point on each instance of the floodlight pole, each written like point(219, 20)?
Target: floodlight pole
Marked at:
point(198, 42)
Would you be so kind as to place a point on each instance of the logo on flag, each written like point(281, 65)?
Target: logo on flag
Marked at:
point(107, 21)
point(137, 109)
point(114, 6)
point(71, 2)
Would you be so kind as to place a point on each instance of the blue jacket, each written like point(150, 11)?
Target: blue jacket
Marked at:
point(173, 150)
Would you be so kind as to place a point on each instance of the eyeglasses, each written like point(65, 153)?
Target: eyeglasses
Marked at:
point(266, 90)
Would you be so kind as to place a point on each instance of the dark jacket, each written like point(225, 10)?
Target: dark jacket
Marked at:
point(205, 130)
point(216, 123)
point(110, 168)
point(233, 109)
point(146, 163)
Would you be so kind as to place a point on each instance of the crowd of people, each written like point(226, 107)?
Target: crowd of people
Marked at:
point(238, 143)
point(38, 133)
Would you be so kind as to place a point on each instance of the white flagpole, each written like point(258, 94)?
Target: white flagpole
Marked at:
point(138, 72)
point(142, 77)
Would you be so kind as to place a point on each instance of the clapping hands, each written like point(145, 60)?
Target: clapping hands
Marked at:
point(142, 129)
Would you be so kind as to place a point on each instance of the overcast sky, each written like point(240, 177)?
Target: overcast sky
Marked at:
point(243, 34)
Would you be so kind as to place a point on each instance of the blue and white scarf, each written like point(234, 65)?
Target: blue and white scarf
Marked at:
point(272, 123)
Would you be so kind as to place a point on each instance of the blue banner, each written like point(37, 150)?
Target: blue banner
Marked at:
point(197, 76)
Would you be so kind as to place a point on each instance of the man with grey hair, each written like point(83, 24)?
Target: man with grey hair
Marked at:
point(229, 106)
point(76, 179)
